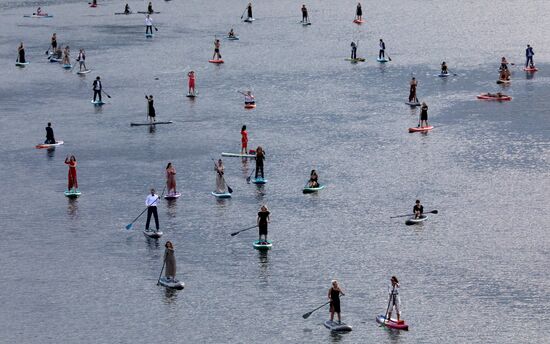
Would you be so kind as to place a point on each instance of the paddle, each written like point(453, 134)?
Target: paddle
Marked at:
point(243, 230)
point(129, 226)
point(249, 176)
point(47, 51)
point(429, 212)
point(305, 316)
point(389, 302)
point(242, 15)
point(389, 58)
point(161, 270)
point(229, 189)
point(108, 96)
point(154, 27)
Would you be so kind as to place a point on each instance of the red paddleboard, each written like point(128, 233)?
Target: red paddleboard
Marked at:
point(420, 129)
point(215, 61)
point(249, 106)
point(486, 97)
point(392, 323)
point(529, 69)
point(359, 21)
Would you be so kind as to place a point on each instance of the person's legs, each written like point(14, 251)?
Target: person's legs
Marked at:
point(155, 214)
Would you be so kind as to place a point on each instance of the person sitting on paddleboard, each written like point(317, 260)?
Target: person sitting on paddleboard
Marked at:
point(151, 203)
point(170, 179)
point(529, 53)
point(191, 83)
point(67, 55)
point(150, 8)
point(231, 33)
point(54, 42)
point(21, 53)
point(412, 91)
point(39, 12)
point(334, 297)
point(313, 179)
point(496, 95)
point(353, 51)
point(262, 221)
point(418, 209)
point(82, 59)
point(217, 45)
point(249, 98)
point(127, 9)
point(504, 75)
point(96, 86)
point(305, 18)
point(395, 301)
point(220, 180)
point(170, 261)
point(72, 181)
point(244, 140)
point(151, 114)
point(260, 157)
point(381, 53)
point(249, 10)
point(503, 64)
point(444, 69)
point(148, 25)
point(423, 115)
point(358, 12)
point(50, 139)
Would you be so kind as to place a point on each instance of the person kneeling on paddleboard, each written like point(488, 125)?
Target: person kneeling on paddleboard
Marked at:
point(170, 261)
point(305, 17)
point(529, 53)
point(418, 209)
point(334, 297)
point(151, 202)
point(412, 91)
point(96, 86)
point(423, 116)
point(50, 139)
point(395, 301)
point(313, 180)
point(249, 98)
point(353, 51)
point(244, 140)
point(444, 69)
point(150, 8)
point(127, 9)
point(231, 33)
point(262, 221)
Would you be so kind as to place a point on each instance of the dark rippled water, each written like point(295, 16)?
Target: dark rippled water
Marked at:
point(475, 273)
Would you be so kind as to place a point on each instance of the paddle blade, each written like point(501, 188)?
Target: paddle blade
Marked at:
point(234, 233)
point(129, 226)
point(434, 211)
point(229, 189)
point(305, 316)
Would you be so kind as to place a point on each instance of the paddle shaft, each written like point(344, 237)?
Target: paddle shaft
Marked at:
point(243, 230)
point(242, 15)
point(161, 270)
point(389, 302)
point(305, 316)
point(108, 96)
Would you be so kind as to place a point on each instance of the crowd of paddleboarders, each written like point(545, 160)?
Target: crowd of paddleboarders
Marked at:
point(222, 189)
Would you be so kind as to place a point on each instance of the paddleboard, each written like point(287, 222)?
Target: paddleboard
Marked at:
point(171, 283)
point(307, 190)
point(359, 59)
point(384, 60)
point(67, 66)
point(486, 97)
point(249, 106)
point(84, 71)
point(154, 123)
point(259, 180)
point(305, 24)
point(359, 21)
point(189, 95)
point(143, 12)
point(98, 102)
point(119, 13)
point(443, 75)
point(152, 234)
point(49, 145)
point(54, 59)
point(72, 193)
point(529, 69)
point(38, 16)
point(215, 61)
point(148, 35)
point(335, 326)
point(262, 244)
point(413, 221)
point(392, 323)
point(21, 64)
point(234, 38)
point(238, 155)
point(420, 129)
point(505, 82)
point(221, 195)
point(413, 103)
point(249, 20)
point(172, 196)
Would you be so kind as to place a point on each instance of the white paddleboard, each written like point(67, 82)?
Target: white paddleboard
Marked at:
point(49, 145)
point(152, 234)
point(238, 155)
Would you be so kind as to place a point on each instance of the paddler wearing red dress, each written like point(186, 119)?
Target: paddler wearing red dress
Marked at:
point(72, 181)
point(244, 140)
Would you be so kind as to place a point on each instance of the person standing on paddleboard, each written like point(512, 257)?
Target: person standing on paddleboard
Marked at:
point(313, 180)
point(423, 115)
point(418, 209)
point(260, 157)
point(358, 12)
point(305, 18)
point(353, 50)
point(72, 181)
point(170, 179)
point(191, 83)
point(334, 298)
point(82, 60)
point(444, 69)
point(412, 91)
point(395, 301)
point(262, 222)
point(96, 86)
point(217, 46)
point(21, 53)
point(50, 139)
point(148, 25)
point(151, 114)
point(220, 180)
point(249, 10)
point(382, 52)
point(54, 42)
point(170, 261)
point(151, 202)
point(244, 140)
point(529, 53)
point(67, 55)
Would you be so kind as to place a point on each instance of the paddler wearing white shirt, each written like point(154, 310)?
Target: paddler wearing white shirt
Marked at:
point(151, 202)
point(148, 25)
point(249, 98)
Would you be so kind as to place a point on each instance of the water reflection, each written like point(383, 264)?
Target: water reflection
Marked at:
point(72, 208)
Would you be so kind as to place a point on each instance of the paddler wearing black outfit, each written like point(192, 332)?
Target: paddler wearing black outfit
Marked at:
point(334, 297)
point(262, 221)
point(418, 209)
point(150, 8)
point(96, 86)
point(249, 9)
point(423, 115)
point(21, 53)
point(50, 139)
point(305, 17)
point(353, 51)
point(412, 91)
point(260, 157)
point(358, 12)
point(150, 108)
